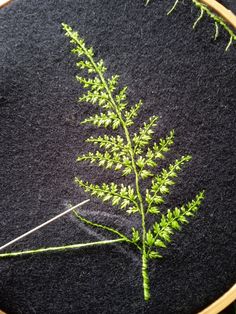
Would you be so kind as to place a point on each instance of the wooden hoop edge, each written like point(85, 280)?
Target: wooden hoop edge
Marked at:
point(221, 303)
point(3, 3)
point(230, 296)
point(222, 11)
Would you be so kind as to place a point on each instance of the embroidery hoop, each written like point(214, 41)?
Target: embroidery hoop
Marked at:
point(230, 296)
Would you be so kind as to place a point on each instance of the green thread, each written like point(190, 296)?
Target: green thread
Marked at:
point(60, 248)
point(199, 18)
point(229, 43)
point(146, 281)
point(121, 235)
point(217, 20)
point(173, 7)
point(216, 31)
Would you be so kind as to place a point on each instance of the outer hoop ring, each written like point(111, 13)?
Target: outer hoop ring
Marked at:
point(230, 296)
point(2, 4)
point(222, 11)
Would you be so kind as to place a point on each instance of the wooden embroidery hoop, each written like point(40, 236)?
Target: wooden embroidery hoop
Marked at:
point(230, 296)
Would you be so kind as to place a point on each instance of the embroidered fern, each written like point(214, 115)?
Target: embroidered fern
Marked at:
point(132, 155)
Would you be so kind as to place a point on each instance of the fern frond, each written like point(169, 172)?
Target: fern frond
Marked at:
point(113, 82)
point(122, 195)
point(99, 98)
point(110, 119)
point(143, 137)
point(121, 99)
point(131, 155)
point(82, 50)
point(160, 234)
point(111, 144)
point(95, 84)
point(131, 114)
point(109, 161)
point(135, 235)
point(156, 152)
point(162, 147)
point(161, 183)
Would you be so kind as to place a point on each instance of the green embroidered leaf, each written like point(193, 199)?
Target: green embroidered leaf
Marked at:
point(121, 99)
point(99, 98)
point(162, 182)
point(154, 255)
point(133, 210)
point(162, 147)
point(173, 219)
point(104, 120)
point(135, 235)
point(153, 210)
point(86, 65)
point(159, 243)
point(109, 160)
point(131, 114)
point(95, 84)
point(145, 134)
point(144, 174)
point(150, 240)
point(100, 67)
point(119, 195)
point(111, 143)
point(113, 82)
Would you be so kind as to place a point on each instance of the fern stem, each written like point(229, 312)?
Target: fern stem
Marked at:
point(145, 276)
point(132, 155)
point(61, 248)
point(146, 282)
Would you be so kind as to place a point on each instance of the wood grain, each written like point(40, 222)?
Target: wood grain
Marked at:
point(221, 303)
point(2, 4)
point(230, 18)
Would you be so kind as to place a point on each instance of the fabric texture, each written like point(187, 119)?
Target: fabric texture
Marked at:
point(184, 77)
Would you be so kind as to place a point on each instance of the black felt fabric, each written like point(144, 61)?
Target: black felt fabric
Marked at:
point(186, 78)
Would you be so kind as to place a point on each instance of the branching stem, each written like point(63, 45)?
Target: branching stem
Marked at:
point(145, 276)
point(121, 235)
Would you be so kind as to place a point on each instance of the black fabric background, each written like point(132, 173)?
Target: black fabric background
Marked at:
point(186, 78)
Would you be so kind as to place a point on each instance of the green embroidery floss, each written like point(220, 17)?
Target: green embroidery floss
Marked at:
point(216, 18)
